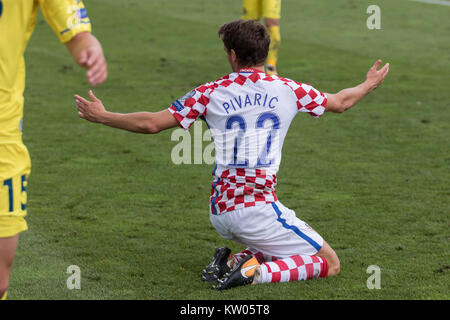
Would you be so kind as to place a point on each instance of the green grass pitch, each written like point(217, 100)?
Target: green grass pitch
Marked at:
point(374, 182)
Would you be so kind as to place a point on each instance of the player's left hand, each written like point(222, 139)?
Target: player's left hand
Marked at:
point(90, 110)
point(87, 51)
point(93, 59)
point(375, 76)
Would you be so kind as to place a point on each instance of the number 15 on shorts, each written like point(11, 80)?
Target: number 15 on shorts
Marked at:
point(13, 194)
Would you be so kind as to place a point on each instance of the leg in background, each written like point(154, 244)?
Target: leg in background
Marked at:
point(275, 41)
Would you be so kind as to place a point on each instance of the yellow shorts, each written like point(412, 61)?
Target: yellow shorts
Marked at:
point(257, 9)
point(11, 226)
point(13, 189)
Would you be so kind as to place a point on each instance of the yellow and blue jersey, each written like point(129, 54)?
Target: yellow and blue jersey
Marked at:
point(17, 21)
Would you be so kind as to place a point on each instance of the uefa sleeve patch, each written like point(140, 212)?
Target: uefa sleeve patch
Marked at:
point(188, 95)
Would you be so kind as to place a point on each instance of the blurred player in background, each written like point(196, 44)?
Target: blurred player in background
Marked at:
point(69, 20)
point(249, 114)
point(270, 11)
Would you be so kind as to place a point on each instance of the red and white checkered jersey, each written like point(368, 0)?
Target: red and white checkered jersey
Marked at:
point(248, 114)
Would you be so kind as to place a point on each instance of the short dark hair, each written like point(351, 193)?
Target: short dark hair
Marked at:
point(249, 39)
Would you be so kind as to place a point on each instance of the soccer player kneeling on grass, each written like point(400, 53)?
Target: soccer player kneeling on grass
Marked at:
point(249, 113)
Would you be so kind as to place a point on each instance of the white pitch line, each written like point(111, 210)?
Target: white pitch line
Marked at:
point(441, 2)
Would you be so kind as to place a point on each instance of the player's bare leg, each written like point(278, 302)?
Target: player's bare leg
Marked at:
point(328, 253)
point(275, 40)
point(7, 250)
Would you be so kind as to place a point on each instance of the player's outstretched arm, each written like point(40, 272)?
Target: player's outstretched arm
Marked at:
point(87, 52)
point(347, 98)
point(139, 122)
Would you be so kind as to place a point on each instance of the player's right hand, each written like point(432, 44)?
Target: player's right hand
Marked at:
point(90, 110)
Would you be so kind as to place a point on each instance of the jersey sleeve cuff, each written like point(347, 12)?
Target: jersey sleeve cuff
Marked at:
point(181, 119)
point(67, 34)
